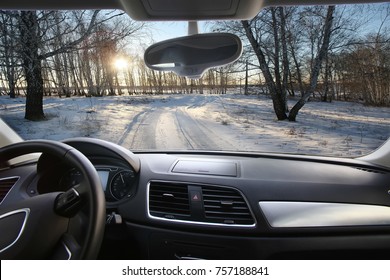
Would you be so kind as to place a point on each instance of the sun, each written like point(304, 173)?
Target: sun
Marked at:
point(120, 63)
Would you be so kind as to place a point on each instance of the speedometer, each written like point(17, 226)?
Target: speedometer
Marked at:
point(122, 184)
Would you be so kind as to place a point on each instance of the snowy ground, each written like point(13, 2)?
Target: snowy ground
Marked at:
point(213, 122)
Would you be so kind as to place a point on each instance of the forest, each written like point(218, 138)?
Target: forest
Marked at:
point(324, 52)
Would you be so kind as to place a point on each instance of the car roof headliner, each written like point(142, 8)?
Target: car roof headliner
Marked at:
point(147, 10)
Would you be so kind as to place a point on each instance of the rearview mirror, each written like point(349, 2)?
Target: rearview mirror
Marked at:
point(191, 56)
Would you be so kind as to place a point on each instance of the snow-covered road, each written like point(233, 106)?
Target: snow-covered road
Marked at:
point(166, 127)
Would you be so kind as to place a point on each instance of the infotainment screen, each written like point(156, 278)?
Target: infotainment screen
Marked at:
point(103, 178)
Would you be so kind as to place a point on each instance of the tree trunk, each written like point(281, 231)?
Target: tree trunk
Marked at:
point(285, 61)
point(279, 104)
point(9, 50)
point(278, 101)
point(294, 110)
point(326, 79)
point(12, 89)
point(278, 82)
point(298, 69)
point(246, 78)
point(32, 65)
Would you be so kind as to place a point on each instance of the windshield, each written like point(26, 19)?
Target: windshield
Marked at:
point(311, 80)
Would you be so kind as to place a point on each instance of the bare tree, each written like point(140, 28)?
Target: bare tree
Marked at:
point(269, 54)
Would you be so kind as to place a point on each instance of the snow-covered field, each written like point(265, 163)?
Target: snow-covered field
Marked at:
point(214, 122)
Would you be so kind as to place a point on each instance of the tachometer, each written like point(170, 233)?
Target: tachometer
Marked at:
point(122, 184)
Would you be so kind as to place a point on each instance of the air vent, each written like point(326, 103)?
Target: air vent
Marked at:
point(371, 170)
point(169, 200)
point(198, 204)
point(225, 205)
point(5, 186)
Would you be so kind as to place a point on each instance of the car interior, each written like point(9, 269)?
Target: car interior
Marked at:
point(87, 198)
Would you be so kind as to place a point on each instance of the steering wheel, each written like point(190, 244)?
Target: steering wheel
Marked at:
point(51, 225)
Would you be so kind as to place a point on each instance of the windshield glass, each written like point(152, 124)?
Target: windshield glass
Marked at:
point(311, 80)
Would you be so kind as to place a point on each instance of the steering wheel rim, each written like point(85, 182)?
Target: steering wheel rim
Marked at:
point(90, 191)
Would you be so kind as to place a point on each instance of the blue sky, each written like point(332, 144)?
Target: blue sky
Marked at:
point(164, 30)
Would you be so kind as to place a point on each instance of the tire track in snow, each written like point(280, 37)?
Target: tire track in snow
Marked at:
point(134, 123)
point(139, 134)
point(171, 127)
point(198, 136)
point(144, 137)
point(155, 129)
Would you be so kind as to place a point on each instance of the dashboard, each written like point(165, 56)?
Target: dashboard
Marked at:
point(209, 205)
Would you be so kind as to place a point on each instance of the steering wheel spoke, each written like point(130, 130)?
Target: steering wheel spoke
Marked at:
point(30, 227)
point(67, 248)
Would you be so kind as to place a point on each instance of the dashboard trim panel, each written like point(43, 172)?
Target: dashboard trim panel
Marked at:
point(297, 214)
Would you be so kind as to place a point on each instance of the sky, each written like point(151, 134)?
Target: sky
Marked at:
point(166, 30)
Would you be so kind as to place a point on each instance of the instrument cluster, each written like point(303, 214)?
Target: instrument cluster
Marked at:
point(118, 183)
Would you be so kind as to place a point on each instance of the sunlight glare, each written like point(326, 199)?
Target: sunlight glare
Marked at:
point(120, 63)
